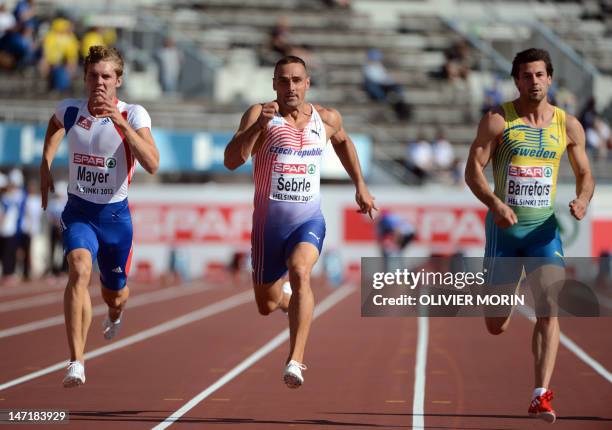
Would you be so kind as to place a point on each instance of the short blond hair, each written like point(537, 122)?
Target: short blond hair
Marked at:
point(99, 53)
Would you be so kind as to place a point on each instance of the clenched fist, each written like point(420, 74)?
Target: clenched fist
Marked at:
point(267, 113)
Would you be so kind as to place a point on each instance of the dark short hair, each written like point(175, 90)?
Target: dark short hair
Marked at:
point(99, 53)
point(529, 56)
point(289, 59)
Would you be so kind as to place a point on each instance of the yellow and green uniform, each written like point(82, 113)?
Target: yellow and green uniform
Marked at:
point(525, 170)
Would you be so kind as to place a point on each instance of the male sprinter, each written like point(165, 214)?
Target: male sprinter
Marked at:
point(286, 138)
point(105, 138)
point(526, 138)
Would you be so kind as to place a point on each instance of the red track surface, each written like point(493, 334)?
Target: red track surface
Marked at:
point(362, 370)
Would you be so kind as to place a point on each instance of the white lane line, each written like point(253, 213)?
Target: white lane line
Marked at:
point(30, 302)
point(274, 343)
point(140, 300)
point(580, 353)
point(418, 401)
point(205, 312)
point(572, 346)
point(20, 289)
point(41, 300)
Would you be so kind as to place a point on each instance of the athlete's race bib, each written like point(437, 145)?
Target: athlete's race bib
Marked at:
point(529, 186)
point(94, 175)
point(294, 182)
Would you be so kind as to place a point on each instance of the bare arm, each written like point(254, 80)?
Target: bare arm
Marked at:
point(585, 184)
point(142, 145)
point(345, 150)
point(53, 138)
point(489, 131)
point(250, 130)
point(141, 141)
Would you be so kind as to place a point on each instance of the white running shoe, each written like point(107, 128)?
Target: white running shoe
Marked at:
point(293, 374)
point(111, 328)
point(287, 288)
point(75, 375)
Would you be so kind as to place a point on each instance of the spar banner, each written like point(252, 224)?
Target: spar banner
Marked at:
point(491, 287)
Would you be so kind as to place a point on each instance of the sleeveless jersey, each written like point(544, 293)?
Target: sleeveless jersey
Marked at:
point(287, 172)
point(526, 165)
point(101, 163)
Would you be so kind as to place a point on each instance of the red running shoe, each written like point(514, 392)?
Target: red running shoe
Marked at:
point(541, 408)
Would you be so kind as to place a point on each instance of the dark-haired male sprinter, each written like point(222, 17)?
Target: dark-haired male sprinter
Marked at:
point(526, 138)
point(286, 138)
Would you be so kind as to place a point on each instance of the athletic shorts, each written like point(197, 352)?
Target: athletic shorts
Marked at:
point(270, 257)
point(105, 230)
point(509, 250)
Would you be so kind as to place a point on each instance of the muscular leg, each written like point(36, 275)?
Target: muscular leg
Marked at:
point(546, 333)
point(497, 318)
point(545, 343)
point(301, 305)
point(115, 299)
point(77, 303)
point(270, 297)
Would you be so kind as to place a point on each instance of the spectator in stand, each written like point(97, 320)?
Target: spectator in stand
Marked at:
point(381, 86)
point(17, 48)
point(7, 19)
point(25, 13)
point(13, 203)
point(169, 61)
point(565, 98)
point(60, 55)
point(93, 37)
point(598, 138)
point(57, 202)
point(588, 114)
point(31, 227)
point(492, 97)
point(457, 66)
point(419, 158)
point(443, 153)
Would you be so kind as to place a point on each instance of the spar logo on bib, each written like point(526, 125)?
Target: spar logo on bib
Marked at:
point(290, 168)
point(529, 171)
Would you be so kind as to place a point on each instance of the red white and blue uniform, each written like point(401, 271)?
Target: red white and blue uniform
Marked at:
point(287, 201)
point(101, 165)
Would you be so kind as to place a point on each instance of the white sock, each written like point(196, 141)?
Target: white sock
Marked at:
point(538, 392)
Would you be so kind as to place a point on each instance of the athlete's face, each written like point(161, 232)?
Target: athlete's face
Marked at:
point(101, 80)
point(533, 81)
point(290, 83)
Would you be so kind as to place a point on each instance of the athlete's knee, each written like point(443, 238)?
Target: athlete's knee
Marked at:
point(114, 301)
point(266, 307)
point(80, 270)
point(115, 298)
point(299, 274)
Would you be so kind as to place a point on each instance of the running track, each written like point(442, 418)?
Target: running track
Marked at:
point(199, 356)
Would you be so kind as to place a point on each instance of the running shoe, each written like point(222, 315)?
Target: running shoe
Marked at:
point(541, 408)
point(293, 374)
point(111, 328)
point(287, 288)
point(75, 375)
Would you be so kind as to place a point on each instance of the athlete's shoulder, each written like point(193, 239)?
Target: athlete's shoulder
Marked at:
point(329, 116)
point(572, 123)
point(574, 130)
point(494, 120)
point(66, 103)
point(130, 107)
